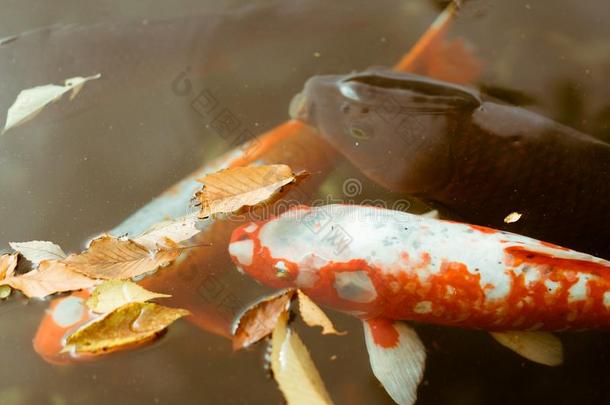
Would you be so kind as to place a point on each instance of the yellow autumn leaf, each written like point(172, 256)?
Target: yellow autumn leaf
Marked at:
point(112, 259)
point(229, 190)
point(8, 263)
point(314, 316)
point(115, 293)
point(50, 277)
point(130, 324)
point(293, 368)
point(260, 318)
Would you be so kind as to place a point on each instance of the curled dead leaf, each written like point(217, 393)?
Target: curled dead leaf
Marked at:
point(259, 319)
point(313, 315)
point(110, 258)
point(130, 324)
point(229, 190)
point(115, 293)
point(293, 368)
point(50, 277)
point(8, 263)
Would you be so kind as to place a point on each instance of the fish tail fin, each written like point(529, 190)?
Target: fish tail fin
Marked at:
point(434, 34)
point(435, 56)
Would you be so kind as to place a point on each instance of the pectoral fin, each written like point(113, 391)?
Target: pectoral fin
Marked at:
point(397, 358)
point(431, 214)
point(539, 347)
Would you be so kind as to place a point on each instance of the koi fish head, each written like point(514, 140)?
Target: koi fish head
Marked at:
point(65, 314)
point(396, 127)
point(256, 260)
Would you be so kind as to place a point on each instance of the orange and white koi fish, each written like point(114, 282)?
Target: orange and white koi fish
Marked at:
point(387, 266)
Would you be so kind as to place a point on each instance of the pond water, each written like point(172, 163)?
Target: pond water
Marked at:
point(81, 167)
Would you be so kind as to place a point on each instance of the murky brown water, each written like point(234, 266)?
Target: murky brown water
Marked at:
point(81, 167)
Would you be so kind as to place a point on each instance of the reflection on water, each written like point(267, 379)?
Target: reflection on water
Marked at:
point(81, 167)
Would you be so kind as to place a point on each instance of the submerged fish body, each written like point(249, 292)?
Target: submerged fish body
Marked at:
point(455, 148)
point(377, 263)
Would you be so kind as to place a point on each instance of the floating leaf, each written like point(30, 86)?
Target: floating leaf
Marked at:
point(110, 258)
point(50, 277)
point(512, 217)
point(116, 293)
point(37, 250)
point(259, 319)
point(8, 263)
point(293, 368)
point(30, 102)
point(314, 316)
point(229, 190)
point(133, 323)
point(176, 230)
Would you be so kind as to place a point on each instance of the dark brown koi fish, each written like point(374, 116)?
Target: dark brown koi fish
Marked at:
point(454, 147)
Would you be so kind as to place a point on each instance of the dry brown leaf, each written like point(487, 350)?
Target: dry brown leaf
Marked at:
point(115, 293)
point(229, 190)
point(259, 319)
point(313, 315)
point(50, 277)
point(293, 368)
point(37, 250)
point(112, 259)
point(8, 263)
point(133, 323)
